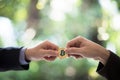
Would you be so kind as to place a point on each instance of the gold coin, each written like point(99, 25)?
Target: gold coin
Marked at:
point(62, 53)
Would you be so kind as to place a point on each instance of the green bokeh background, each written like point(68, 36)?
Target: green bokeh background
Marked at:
point(60, 21)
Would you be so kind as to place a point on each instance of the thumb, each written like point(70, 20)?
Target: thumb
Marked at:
point(49, 53)
point(74, 51)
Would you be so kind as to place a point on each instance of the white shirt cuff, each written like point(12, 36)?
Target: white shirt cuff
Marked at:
point(22, 57)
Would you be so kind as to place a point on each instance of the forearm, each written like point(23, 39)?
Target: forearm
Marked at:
point(9, 59)
point(111, 69)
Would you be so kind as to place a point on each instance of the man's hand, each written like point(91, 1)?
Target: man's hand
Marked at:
point(81, 47)
point(44, 51)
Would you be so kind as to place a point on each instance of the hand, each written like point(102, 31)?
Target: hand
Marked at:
point(44, 51)
point(81, 47)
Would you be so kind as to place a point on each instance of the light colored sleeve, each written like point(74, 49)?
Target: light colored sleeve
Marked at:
point(22, 57)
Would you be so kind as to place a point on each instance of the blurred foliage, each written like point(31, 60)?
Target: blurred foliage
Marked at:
point(118, 3)
point(59, 21)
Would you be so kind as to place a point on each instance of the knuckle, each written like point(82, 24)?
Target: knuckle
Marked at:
point(46, 41)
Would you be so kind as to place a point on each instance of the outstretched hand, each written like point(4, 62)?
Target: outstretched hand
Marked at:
point(44, 51)
point(82, 47)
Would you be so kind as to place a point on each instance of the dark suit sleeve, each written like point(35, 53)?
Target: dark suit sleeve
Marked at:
point(9, 59)
point(111, 70)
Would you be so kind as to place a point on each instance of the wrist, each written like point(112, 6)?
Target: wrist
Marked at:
point(104, 57)
point(22, 57)
point(28, 54)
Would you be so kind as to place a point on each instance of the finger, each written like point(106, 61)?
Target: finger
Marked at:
point(51, 58)
point(51, 46)
point(49, 53)
point(75, 42)
point(70, 43)
point(77, 51)
point(54, 47)
point(76, 56)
